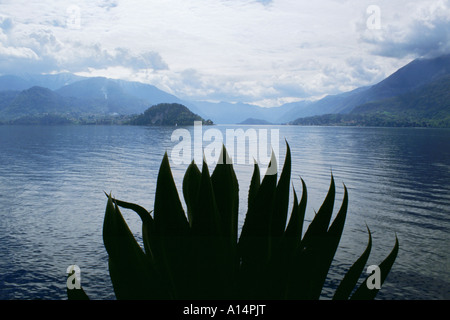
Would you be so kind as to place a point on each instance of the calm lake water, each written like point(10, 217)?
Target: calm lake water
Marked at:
point(52, 202)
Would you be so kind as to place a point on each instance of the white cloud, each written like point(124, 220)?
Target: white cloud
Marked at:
point(8, 53)
point(422, 31)
point(237, 50)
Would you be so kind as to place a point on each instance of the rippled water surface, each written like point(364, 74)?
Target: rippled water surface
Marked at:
point(52, 202)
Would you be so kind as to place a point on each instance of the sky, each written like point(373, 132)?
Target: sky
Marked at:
point(264, 52)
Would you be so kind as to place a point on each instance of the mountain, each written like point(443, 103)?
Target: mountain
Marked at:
point(68, 95)
point(6, 98)
point(117, 96)
point(135, 95)
point(25, 81)
point(51, 81)
point(166, 114)
point(428, 105)
point(103, 95)
point(146, 92)
point(33, 101)
point(37, 101)
point(415, 74)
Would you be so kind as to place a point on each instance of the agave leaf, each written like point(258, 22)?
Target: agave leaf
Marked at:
point(293, 229)
point(363, 292)
point(206, 219)
point(276, 276)
point(293, 233)
point(255, 183)
point(171, 229)
point(226, 194)
point(77, 294)
point(350, 279)
point(191, 185)
point(255, 240)
point(295, 226)
point(282, 197)
point(210, 273)
point(319, 226)
point(132, 274)
point(170, 219)
point(147, 223)
point(290, 242)
point(327, 249)
point(334, 233)
point(317, 249)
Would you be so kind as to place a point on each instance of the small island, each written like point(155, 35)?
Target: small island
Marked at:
point(253, 121)
point(168, 114)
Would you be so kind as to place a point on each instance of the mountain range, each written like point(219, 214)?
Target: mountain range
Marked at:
point(416, 93)
point(70, 95)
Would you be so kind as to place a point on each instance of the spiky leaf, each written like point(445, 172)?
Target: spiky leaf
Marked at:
point(317, 249)
point(255, 183)
point(147, 223)
point(171, 230)
point(226, 194)
point(255, 240)
point(319, 226)
point(282, 197)
point(131, 272)
point(350, 279)
point(210, 272)
point(363, 292)
point(293, 232)
point(191, 186)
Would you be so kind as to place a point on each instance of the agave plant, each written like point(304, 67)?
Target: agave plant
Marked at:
point(199, 254)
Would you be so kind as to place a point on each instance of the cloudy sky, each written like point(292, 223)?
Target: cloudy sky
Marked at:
point(265, 52)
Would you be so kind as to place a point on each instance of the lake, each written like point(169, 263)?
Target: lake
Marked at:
point(52, 201)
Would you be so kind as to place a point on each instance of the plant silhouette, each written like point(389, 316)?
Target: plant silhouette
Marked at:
point(199, 254)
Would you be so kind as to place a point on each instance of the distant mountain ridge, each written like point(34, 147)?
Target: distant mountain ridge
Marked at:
point(66, 93)
point(25, 81)
point(428, 103)
point(33, 101)
point(101, 88)
point(413, 75)
point(76, 95)
point(425, 106)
